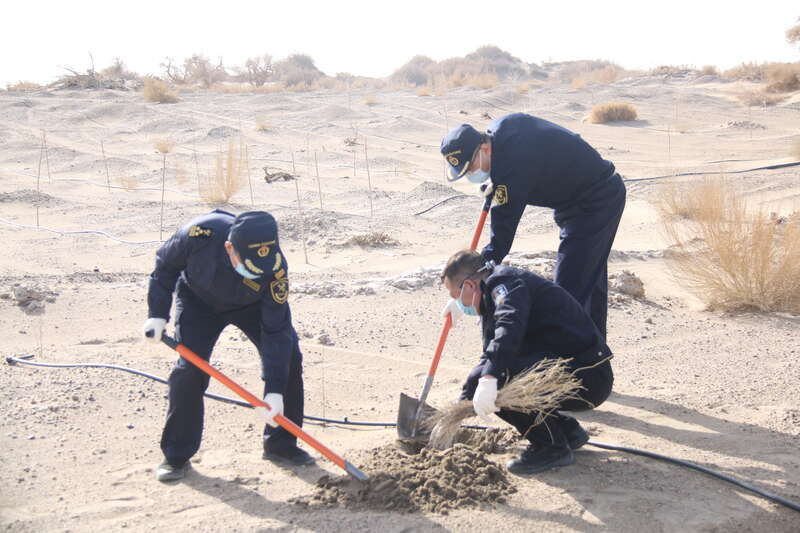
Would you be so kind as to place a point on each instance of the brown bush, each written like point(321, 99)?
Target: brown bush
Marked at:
point(759, 98)
point(155, 90)
point(782, 77)
point(745, 72)
point(196, 69)
point(733, 257)
point(612, 112)
point(23, 87)
point(228, 176)
point(709, 70)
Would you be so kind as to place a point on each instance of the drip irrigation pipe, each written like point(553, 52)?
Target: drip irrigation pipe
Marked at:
point(25, 360)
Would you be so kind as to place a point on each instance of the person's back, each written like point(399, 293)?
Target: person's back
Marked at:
point(542, 163)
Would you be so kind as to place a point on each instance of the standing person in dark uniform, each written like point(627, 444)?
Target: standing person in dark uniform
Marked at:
point(225, 270)
point(524, 319)
point(534, 162)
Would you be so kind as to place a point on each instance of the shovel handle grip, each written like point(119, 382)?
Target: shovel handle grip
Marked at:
point(253, 400)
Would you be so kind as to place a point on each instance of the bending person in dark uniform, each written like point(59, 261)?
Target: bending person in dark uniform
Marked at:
point(524, 319)
point(534, 162)
point(226, 270)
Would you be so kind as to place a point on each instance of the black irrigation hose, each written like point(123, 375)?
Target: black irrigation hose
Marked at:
point(653, 178)
point(24, 360)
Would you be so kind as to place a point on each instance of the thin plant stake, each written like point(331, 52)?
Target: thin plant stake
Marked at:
point(105, 162)
point(319, 184)
point(300, 209)
point(369, 179)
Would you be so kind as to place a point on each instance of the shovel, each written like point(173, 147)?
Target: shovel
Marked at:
point(411, 410)
point(281, 420)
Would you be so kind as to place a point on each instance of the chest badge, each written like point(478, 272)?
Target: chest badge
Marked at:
point(499, 294)
point(501, 195)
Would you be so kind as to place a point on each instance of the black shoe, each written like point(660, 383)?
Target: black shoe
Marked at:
point(290, 455)
point(168, 472)
point(576, 435)
point(538, 458)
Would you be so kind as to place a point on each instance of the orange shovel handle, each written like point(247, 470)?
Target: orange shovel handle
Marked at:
point(253, 400)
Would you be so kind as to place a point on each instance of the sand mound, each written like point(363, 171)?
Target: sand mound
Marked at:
point(28, 196)
point(428, 190)
point(434, 481)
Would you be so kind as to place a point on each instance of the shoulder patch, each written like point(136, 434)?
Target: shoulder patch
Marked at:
point(280, 290)
point(200, 231)
point(499, 294)
point(501, 195)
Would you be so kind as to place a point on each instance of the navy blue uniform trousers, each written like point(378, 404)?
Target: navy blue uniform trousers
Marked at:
point(588, 227)
point(198, 326)
point(596, 380)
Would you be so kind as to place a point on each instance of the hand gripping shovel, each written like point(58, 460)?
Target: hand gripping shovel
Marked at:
point(411, 410)
point(284, 422)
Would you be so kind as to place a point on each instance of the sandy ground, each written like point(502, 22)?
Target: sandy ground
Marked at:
point(79, 446)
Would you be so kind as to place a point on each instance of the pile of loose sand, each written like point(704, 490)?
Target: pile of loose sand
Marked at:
point(434, 481)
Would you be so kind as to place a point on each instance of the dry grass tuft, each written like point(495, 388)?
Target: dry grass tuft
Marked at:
point(733, 257)
point(23, 87)
point(262, 124)
point(709, 70)
point(155, 90)
point(745, 72)
point(228, 177)
point(612, 112)
point(539, 390)
point(759, 98)
point(783, 77)
point(370, 100)
point(164, 146)
point(424, 91)
point(578, 83)
point(375, 239)
point(129, 183)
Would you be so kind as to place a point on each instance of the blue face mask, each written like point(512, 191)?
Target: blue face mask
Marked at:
point(468, 310)
point(479, 175)
point(244, 272)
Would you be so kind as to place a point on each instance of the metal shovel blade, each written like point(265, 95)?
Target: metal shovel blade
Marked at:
point(408, 426)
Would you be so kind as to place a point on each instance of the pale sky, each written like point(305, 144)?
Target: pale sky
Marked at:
point(373, 38)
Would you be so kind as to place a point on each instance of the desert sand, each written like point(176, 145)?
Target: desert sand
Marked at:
point(80, 446)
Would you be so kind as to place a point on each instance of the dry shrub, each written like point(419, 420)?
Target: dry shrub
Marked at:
point(197, 70)
point(375, 239)
point(129, 183)
point(155, 90)
point(424, 91)
point(709, 70)
point(733, 257)
point(745, 72)
point(782, 77)
point(539, 390)
point(793, 33)
point(23, 87)
point(759, 98)
point(262, 124)
point(605, 75)
point(164, 146)
point(228, 176)
point(370, 100)
point(578, 83)
point(481, 81)
point(612, 112)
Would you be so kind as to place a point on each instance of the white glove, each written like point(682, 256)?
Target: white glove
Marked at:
point(488, 190)
point(275, 402)
point(485, 396)
point(454, 310)
point(153, 329)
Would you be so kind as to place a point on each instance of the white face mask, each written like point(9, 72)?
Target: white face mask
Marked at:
point(478, 175)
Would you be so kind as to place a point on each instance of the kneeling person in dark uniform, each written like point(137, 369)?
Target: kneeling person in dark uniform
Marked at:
point(225, 270)
point(524, 319)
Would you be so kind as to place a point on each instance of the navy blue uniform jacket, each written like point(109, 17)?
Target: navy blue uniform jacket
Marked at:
point(523, 315)
point(536, 162)
point(196, 255)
